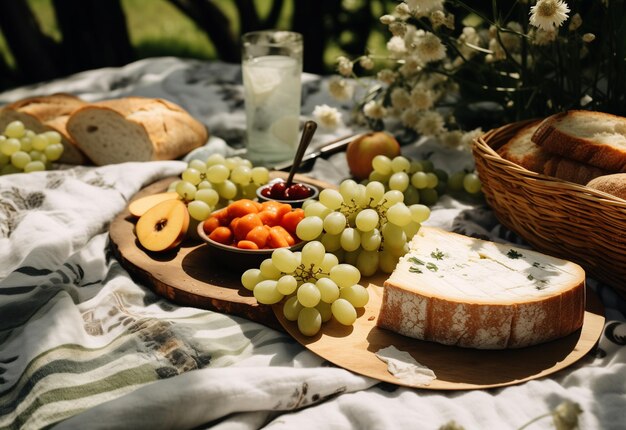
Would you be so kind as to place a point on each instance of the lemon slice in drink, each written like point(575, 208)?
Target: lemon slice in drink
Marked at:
point(264, 75)
point(286, 129)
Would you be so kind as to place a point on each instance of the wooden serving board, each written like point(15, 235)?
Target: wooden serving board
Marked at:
point(187, 275)
point(456, 368)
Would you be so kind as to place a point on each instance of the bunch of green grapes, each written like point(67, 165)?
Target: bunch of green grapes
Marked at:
point(206, 184)
point(419, 180)
point(314, 285)
point(364, 225)
point(23, 150)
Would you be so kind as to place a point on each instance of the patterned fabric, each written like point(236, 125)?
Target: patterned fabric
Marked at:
point(84, 346)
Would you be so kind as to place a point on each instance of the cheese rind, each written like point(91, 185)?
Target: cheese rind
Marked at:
point(467, 292)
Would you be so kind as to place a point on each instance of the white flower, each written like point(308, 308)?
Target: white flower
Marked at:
point(411, 65)
point(374, 110)
point(397, 28)
point(387, 19)
point(468, 37)
point(451, 139)
point(548, 14)
point(424, 7)
point(565, 415)
point(589, 37)
point(386, 76)
point(410, 118)
point(402, 11)
point(396, 46)
point(429, 48)
point(431, 123)
point(328, 117)
point(341, 89)
point(543, 37)
point(366, 62)
point(585, 100)
point(344, 66)
point(422, 98)
point(467, 140)
point(400, 98)
point(575, 22)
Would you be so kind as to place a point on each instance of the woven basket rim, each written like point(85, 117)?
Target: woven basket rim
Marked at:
point(481, 143)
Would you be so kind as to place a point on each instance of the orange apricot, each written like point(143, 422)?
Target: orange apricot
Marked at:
point(247, 244)
point(288, 237)
point(269, 217)
point(222, 235)
point(276, 239)
point(291, 219)
point(210, 224)
point(242, 207)
point(245, 224)
point(222, 216)
point(259, 235)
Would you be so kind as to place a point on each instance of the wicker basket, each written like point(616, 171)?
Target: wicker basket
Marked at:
point(556, 217)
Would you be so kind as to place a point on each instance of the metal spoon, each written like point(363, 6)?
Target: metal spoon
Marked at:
point(307, 135)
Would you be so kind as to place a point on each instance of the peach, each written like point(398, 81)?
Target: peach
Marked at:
point(163, 226)
point(139, 206)
point(362, 150)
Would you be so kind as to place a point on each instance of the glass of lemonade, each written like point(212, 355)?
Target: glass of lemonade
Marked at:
point(272, 69)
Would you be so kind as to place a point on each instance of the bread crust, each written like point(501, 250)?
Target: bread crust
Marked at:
point(45, 113)
point(164, 130)
point(552, 135)
point(614, 184)
point(521, 150)
point(417, 312)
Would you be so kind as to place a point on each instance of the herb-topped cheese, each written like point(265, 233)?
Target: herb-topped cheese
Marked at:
point(463, 291)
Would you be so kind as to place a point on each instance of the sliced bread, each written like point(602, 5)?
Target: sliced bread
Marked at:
point(457, 290)
point(45, 113)
point(521, 150)
point(135, 129)
point(594, 138)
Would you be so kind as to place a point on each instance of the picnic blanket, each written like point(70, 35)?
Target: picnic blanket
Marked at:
point(83, 346)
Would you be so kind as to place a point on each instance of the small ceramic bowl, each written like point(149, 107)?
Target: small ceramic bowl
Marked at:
point(262, 195)
point(237, 259)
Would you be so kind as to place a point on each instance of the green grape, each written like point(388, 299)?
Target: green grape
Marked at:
point(330, 260)
point(345, 275)
point(285, 260)
point(411, 195)
point(260, 175)
point(399, 181)
point(198, 165)
point(53, 137)
point(392, 197)
point(387, 261)
point(442, 175)
point(330, 198)
point(367, 220)
point(349, 257)
point(393, 235)
point(356, 294)
point(39, 142)
point(241, 175)
point(214, 160)
point(329, 291)
point(38, 155)
point(291, 308)
point(226, 189)
point(4, 159)
point(199, 210)
point(315, 208)
point(375, 176)
point(26, 144)
point(20, 159)
point(204, 184)
point(34, 166)
point(350, 239)
point(399, 214)
point(308, 295)
point(171, 187)
point(191, 175)
point(9, 146)
point(312, 254)
point(250, 278)
point(360, 197)
point(231, 163)
point(343, 311)
point(268, 270)
point(54, 151)
point(374, 192)
point(208, 196)
point(455, 182)
point(367, 262)
point(416, 166)
point(325, 311)
point(471, 183)
point(10, 169)
point(400, 164)
point(427, 166)
point(419, 213)
point(186, 190)
point(348, 189)
point(431, 180)
point(287, 285)
point(309, 321)
point(382, 164)
point(331, 242)
point(265, 292)
point(334, 223)
point(217, 173)
point(14, 129)
point(419, 180)
point(310, 228)
point(411, 229)
point(371, 240)
point(429, 196)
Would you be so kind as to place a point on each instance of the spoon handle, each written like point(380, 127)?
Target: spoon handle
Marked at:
point(307, 134)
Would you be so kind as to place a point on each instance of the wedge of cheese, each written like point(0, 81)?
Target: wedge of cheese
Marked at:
point(472, 293)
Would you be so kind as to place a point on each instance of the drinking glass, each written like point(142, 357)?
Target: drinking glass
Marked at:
point(272, 70)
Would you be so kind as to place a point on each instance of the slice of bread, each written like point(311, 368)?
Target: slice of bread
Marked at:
point(614, 184)
point(45, 113)
point(594, 138)
point(521, 150)
point(472, 293)
point(135, 129)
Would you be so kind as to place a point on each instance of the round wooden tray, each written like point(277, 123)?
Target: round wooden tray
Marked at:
point(187, 276)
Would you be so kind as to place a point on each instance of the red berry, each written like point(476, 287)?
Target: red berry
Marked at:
point(278, 190)
point(298, 192)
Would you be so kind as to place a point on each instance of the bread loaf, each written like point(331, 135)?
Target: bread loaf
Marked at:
point(467, 292)
point(521, 150)
point(614, 184)
point(135, 129)
point(594, 138)
point(46, 113)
